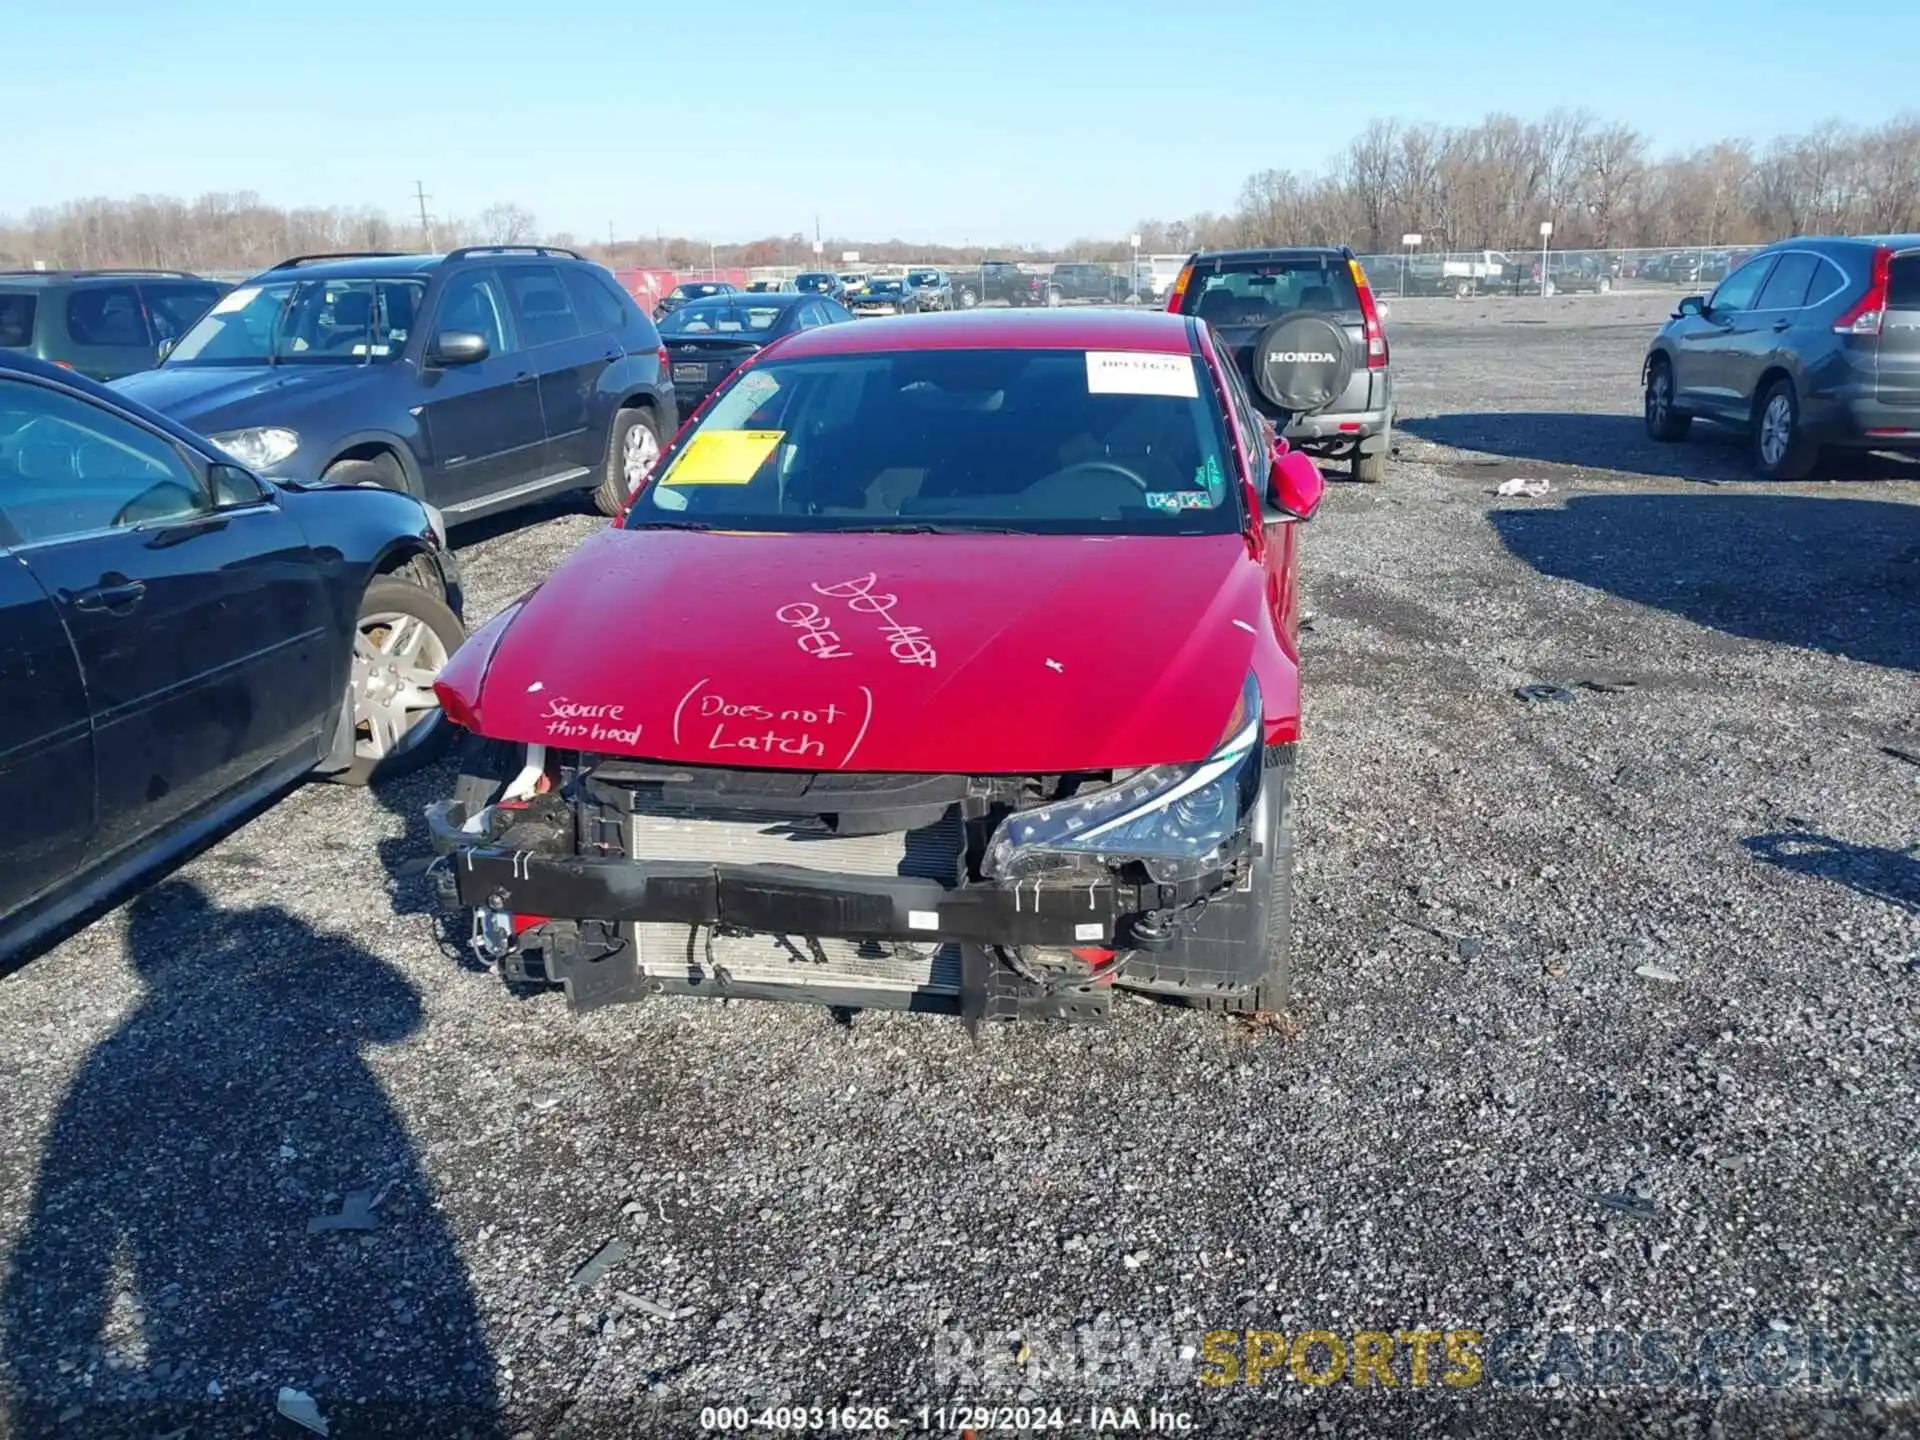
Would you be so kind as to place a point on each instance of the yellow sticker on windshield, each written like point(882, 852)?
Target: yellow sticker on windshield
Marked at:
point(723, 457)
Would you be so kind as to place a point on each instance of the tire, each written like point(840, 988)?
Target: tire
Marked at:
point(635, 430)
point(1258, 919)
point(383, 473)
point(1664, 423)
point(1054, 298)
point(1605, 286)
point(968, 299)
point(1549, 290)
point(1780, 450)
point(1463, 289)
point(421, 739)
point(1370, 469)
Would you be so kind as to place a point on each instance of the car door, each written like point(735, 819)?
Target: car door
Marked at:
point(485, 431)
point(107, 331)
point(1768, 331)
point(192, 600)
point(173, 306)
point(567, 359)
point(46, 732)
point(1705, 370)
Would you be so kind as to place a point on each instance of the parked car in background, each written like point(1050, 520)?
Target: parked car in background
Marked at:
point(181, 640)
point(1578, 273)
point(820, 282)
point(1301, 326)
point(100, 323)
point(992, 280)
point(709, 339)
point(770, 287)
point(887, 295)
point(851, 746)
point(931, 288)
point(478, 380)
point(1812, 344)
point(692, 290)
point(852, 282)
point(1077, 281)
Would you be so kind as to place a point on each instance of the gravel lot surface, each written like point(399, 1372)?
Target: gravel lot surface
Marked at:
point(1605, 1019)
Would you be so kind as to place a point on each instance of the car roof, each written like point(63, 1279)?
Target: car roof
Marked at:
point(1271, 252)
point(45, 279)
point(751, 299)
point(1152, 331)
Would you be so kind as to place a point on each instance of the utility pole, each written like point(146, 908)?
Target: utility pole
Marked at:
point(426, 224)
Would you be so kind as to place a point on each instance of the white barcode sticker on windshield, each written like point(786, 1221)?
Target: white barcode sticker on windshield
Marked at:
point(1131, 372)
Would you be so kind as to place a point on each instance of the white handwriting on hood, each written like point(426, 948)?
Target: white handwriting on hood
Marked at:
point(908, 643)
point(817, 635)
point(576, 720)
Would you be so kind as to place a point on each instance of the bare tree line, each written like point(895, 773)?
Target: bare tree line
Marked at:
point(1484, 186)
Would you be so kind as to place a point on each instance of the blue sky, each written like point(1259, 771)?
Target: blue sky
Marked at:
point(993, 121)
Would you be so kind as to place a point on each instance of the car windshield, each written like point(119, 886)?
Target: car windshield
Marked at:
point(726, 315)
point(1054, 442)
point(924, 277)
point(885, 287)
point(813, 283)
point(292, 321)
point(697, 290)
point(1229, 293)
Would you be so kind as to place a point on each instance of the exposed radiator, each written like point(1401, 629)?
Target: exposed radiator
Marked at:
point(934, 852)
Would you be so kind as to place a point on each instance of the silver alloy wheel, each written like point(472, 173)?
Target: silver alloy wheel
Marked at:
point(396, 659)
point(1659, 395)
point(637, 454)
point(1776, 429)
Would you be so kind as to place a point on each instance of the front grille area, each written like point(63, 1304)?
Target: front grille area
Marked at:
point(933, 852)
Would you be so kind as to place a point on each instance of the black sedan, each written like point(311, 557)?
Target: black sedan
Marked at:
point(707, 340)
point(690, 290)
point(180, 640)
point(886, 295)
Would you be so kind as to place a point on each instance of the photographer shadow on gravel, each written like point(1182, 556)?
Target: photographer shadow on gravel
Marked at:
point(1837, 574)
point(171, 1272)
point(1888, 875)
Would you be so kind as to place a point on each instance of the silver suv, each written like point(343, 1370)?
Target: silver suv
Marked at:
point(1811, 343)
point(1299, 322)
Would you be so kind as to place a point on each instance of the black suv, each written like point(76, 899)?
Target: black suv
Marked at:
point(1300, 324)
point(478, 380)
point(100, 323)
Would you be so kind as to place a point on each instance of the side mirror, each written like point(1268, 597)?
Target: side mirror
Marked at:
point(166, 349)
point(1295, 481)
point(458, 347)
point(1693, 305)
point(234, 487)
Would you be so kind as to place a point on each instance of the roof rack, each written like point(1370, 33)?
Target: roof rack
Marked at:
point(294, 262)
point(549, 250)
point(108, 270)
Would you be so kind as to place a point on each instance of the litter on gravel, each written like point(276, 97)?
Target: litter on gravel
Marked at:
point(595, 1270)
point(1522, 485)
point(298, 1407)
point(1544, 692)
point(1657, 972)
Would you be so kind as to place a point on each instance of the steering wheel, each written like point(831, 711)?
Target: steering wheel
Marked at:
point(1110, 467)
point(168, 500)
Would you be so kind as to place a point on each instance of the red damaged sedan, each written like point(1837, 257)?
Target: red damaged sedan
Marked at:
point(943, 663)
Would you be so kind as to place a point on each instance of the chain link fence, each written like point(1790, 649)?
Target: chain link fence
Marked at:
point(1466, 273)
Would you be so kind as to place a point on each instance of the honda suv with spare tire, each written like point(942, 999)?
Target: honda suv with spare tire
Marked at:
point(181, 640)
point(1304, 332)
point(903, 762)
point(1812, 345)
point(479, 380)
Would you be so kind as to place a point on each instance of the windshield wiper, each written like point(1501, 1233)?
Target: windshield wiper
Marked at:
point(669, 525)
point(922, 527)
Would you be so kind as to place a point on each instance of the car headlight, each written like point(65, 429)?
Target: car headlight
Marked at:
point(1173, 818)
point(259, 447)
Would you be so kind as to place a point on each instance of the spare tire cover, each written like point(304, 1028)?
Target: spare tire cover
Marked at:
point(1302, 362)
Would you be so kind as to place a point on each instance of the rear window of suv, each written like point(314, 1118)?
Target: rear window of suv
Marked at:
point(16, 321)
point(1232, 292)
point(1903, 282)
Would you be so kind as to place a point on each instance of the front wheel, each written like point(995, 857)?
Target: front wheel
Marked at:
point(968, 299)
point(403, 638)
point(1664, 423)
point(1053, 298)
point(634, 448)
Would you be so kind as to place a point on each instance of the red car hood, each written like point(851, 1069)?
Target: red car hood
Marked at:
point(900, 653)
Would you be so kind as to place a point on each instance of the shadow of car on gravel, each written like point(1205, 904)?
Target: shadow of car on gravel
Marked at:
point(1892, 876)
point(1619, 443)
point(171, 1272)
point(1840, 575)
